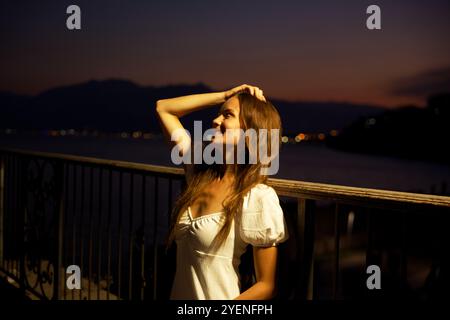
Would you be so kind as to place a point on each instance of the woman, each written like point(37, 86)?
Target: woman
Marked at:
point(225, 207)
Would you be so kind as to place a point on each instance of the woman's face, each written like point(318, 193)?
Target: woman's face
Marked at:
point(227, 122)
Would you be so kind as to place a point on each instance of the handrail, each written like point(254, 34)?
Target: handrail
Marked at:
point(358, 196)
point(299, 189)
point(117, 164)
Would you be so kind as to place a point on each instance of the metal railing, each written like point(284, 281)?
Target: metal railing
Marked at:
point(110, 218)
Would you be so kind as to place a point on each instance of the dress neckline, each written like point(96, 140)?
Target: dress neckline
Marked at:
point(202, 216)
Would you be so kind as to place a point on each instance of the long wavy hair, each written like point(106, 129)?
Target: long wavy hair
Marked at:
point(254, 114)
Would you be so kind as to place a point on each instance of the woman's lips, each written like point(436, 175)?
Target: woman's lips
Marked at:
point(218, 132)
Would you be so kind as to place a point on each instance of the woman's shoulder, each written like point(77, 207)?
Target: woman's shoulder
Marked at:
point(262, 189)
point(262, 220)
point(258, 195)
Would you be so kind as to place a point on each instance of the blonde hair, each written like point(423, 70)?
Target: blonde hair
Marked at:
point(253, 114)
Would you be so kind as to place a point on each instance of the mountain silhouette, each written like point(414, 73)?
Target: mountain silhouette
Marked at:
point(117, 105)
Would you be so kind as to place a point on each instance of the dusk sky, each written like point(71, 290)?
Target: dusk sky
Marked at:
point(294, 50)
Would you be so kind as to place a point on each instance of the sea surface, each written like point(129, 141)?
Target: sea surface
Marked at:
point(303, 161)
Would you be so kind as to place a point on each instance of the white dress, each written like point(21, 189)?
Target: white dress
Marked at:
point(202, 274)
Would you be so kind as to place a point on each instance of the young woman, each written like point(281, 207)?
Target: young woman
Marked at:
point(225, 207)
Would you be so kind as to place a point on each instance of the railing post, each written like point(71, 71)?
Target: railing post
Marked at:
point(305, 227)
point(2, 205)
point(22, 180)
point(141, 238)
point(59, 176)
point(403, 251)
point(155, 239)
point(337, 236)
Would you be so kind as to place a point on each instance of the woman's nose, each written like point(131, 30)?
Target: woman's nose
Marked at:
point(217, 121)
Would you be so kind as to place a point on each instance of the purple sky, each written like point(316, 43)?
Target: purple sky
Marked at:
point(294, 50)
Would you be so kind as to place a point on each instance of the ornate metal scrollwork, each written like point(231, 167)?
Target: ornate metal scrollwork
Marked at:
point(41, 194)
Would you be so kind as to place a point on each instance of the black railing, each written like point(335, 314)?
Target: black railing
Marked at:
point(106, 217)
point(111, 218)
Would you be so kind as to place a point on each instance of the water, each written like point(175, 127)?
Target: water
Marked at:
point(307, 162)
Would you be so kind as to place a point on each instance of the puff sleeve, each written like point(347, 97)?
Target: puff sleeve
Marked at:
point(262, 222)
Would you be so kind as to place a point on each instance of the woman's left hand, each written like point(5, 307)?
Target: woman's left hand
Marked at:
point(254, 91)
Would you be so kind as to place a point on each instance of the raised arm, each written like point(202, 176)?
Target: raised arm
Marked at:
point(171, 110)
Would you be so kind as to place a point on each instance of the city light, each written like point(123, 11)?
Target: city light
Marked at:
point(137, 134)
